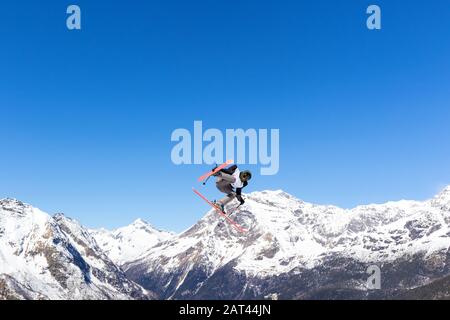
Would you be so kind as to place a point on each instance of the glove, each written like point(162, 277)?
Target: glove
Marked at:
point(242, 201)
point(217, 174)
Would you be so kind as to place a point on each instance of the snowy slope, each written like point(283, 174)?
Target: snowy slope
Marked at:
point(287, 234)
point(128, 243)
point(44, 257)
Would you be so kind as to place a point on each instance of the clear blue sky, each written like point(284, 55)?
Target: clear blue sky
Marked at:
point(86, 116)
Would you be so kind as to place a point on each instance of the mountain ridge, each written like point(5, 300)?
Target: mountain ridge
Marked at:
point(290, 236)
point(44, 257)
point(293, 250)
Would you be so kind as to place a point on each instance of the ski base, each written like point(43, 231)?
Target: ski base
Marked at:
point(222, 166)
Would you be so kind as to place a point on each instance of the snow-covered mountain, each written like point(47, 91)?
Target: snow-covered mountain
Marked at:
point(128, 243)
point(293, 250)
point(296, 249)
point(44, 257)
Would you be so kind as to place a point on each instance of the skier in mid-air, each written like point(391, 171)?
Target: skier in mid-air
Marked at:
point(231, 181)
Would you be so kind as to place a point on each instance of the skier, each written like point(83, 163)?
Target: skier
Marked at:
point(231, 181)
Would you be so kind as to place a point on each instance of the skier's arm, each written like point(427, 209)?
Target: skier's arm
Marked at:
point(229, 170)
point(239, 194)
point(239, 197)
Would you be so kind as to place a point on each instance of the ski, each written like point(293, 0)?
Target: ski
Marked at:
point(222, 166)
point(233, 223)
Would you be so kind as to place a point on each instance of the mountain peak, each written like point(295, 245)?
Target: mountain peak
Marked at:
point(140, 222)
point(11, 202)
point(17, 208)
point(129, 242)
point(443, 197)
point(271, 193)
point(59, 215)
point(446, 191)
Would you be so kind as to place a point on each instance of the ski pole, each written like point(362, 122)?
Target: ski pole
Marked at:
point(232, 211)
point(206, 180)
point(209, 176)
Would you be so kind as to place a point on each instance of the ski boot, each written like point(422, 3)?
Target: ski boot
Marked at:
point(219, 206)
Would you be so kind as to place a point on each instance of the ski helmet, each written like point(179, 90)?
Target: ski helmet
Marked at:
point(246, 173)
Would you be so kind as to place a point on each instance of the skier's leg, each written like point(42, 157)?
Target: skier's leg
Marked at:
point(227, 177)
point(223, 183)
point(227, 199)
point(224, 186)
